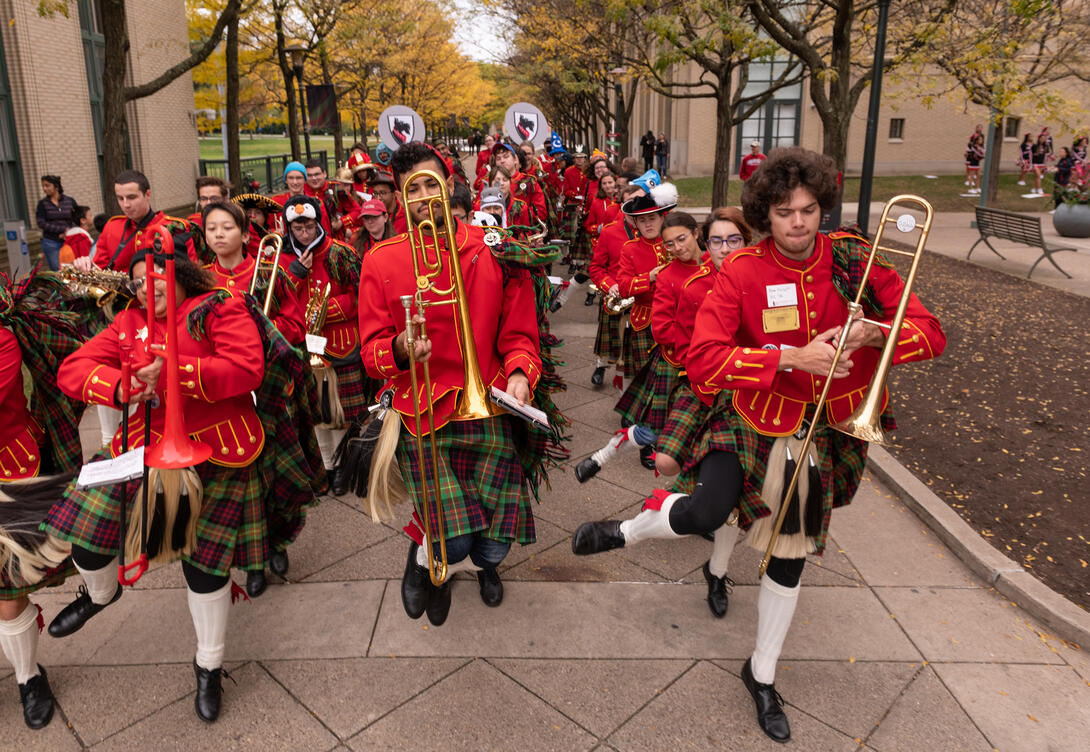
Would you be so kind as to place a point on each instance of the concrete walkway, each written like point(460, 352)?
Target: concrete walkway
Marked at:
point(895, 645)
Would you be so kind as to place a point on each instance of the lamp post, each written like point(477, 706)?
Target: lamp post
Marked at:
point(867, 177)
point(297, 52)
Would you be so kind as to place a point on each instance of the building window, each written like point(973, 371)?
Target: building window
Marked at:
point(94, 55)
point(1012, 126)
point(12, 193)
point(896, 128)
point(776, 122)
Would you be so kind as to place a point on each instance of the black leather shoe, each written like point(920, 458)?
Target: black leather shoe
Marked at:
point(586, 469)
point(338, 482)
point(598, 376)
point(278, 563)
point(209, 692)
point(491, 587)
point(596, 537)
point(439, 604)
point(416, 586)
point(73, 616)
point(37, 699)
point(590, 299)
point(717, 591)
point(647, 457)
point(555, 306)
point(770, 713)
point(255, 582)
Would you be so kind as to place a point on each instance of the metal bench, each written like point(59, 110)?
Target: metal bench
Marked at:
point(1008, 225)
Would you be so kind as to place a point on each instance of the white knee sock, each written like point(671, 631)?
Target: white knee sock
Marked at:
point(651, 523)
point(209, 612)
point(328, 439)
point(722, 548)
point(101, 583)
point(108, 421)
point(775, 609)
point(598, 362)
point(19, 640)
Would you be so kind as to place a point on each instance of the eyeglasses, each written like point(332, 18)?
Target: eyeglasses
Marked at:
point(734, 242)
point(678, 243)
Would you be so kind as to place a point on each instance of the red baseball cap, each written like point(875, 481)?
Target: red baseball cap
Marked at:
point(372, 208)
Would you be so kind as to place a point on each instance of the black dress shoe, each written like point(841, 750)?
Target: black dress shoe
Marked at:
point(598, 376)
point(37, 699)
point(587, 469)
point(73, 616)
point(255, 582)
point(596, 537)
point(590, 299)
point(338, 482)
point(770, 713)
point(491, 587)
point(209, 692)
point(278, 563)
point(717, 591)
point(416, 586)
point(555, 306)
point(439, 604)
point(647, 457)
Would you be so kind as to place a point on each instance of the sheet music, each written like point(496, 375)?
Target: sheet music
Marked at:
point(122, 468)
point(526, 412)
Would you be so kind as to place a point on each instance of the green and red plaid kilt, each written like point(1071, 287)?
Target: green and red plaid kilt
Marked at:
point(231, 531)
point(685, 422)
point(54, 576)
point(646, 401)
point(481, 481)
point(841, 461)
point(636, 349)
point(609, 341)
point(580, 249)
point(355, 390)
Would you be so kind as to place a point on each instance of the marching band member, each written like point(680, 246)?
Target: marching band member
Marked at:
point(220, 361)
point(210, 189)
point(261, 214)
point(33, 442)
point(523, 186)
point(486, 499)
point(384, 188)
point(642, 259)
point(337, 201)
point(762, 344)
point(295, 181)
point(374, 226)
point(603, 208)
point(321, 262)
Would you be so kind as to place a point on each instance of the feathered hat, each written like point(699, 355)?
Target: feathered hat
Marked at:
point(662, 198)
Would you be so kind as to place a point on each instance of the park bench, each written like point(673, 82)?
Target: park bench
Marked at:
point(1018, 228)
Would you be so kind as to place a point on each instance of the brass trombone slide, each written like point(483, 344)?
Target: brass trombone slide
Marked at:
point(865, 422)
point(270, 245)
point(428, 239)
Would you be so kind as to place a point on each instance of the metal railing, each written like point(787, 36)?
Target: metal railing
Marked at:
point(268, 171)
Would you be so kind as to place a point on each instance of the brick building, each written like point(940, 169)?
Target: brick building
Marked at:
point(51, 104)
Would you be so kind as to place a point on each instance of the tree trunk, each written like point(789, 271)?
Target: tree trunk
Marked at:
point(234, 163)
point(724, 116)
point(115, 125)
point(289, 89)
point(991, 180)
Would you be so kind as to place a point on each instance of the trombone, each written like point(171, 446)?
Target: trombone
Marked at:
point(270, 245)
point(428, 240)
point(865, 422)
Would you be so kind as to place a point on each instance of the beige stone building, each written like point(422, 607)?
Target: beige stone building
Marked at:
point(51, 104)
point(912, 138)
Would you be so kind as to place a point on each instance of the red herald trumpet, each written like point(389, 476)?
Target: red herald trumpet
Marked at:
point(166, 525)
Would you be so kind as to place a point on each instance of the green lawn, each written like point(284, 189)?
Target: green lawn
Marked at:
point(941, 192)
point(259, 146)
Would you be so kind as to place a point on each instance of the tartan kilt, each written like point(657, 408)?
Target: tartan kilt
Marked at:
point(685, 422)
point(231, 531)
point(54, 576)
point(286, 503)
point(355, 390)
point(610, 337)
point(636, 349)
point(841, 461)
point(481, 481)
point(580, 249)
point(646, 401)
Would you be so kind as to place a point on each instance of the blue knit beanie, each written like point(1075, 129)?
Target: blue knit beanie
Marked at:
point(295, 167)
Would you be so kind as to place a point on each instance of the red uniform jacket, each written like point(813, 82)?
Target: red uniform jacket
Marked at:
point(340, 331)
point(344, 205)
point(600, 213)
point(286, 312)
point(20, 434)
point(502, 315)
point(664, 323)
point(527, 189)
point(575, 185)
point(693, 292)
point(217, 374)
point(482, 161)
point(78, 242)
point(118, 241)
point(398, 220)
point(282, 198)
point(606, 262)
point(746, 321)
point(638, 257)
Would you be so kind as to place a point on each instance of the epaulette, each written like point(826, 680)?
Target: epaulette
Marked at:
point(703, 271)
point(743, 252)
point(843, 234)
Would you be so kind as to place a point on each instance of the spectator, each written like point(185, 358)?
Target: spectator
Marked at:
point(751, 161)
point(647, 150)
point(629, 164)
point(662, 154)
point(78, 241)
point(1025, 159)
point(56, 213)
point(1064, 165)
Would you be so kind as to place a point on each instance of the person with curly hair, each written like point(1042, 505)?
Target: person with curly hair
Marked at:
point(763, 343)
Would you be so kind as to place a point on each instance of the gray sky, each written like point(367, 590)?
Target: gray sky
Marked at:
point(479, 35)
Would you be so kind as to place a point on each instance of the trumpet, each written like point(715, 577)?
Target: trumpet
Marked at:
point(865, 423)
point(314, 317)
point(270, 245)
point(473, 402)
point(101, 284)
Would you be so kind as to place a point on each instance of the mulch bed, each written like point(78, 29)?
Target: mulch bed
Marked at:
point(998, 425)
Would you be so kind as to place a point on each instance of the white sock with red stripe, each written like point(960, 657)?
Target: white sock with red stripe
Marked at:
point(775, 609)
point(19, 640)
point(722, 548)
point(652, 522)
point(209, 612)
point(101, 583)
